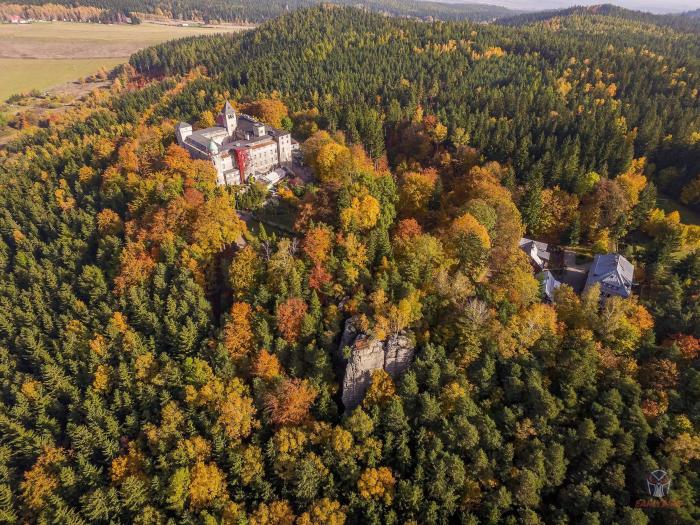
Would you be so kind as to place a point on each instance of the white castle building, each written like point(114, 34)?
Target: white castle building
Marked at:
point(239, 146)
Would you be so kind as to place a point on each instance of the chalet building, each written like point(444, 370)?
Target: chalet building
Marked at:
point(238, 146)
point(538, 253)
point(614, 273)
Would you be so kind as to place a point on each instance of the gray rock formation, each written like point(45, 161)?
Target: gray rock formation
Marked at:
point(398, 354)
point(367, 355)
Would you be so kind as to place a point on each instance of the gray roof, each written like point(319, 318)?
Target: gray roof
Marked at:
point(203, 136)
point(247, 124)
point(538, 251)
point(549, 283)
point(242, 143)
point(243, 136)
point(614, 273)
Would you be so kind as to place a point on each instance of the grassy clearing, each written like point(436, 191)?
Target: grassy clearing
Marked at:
point(44, 54)
point(22, 75)
point(77, 40)
point(668, 204)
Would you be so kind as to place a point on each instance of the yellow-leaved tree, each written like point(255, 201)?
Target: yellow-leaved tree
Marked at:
point(238, 331)
point(377, 484)
point(362, 214)
point(276, 513)
point(323, 512)
point(380, 390)
point(207, 484)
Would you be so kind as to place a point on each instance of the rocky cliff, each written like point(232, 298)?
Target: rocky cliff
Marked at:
point(394, 355)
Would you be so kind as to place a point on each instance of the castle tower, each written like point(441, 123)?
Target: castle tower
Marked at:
point(230, 121)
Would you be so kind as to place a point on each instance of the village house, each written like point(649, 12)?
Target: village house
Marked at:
point(611, 271)
point(614, 273)
point(549, 285)
point(239, 146)
point(538, 253)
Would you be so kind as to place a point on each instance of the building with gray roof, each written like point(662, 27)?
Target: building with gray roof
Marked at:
point(239, 146)
point(614, 273)
point(549, 284)
point(538, 252)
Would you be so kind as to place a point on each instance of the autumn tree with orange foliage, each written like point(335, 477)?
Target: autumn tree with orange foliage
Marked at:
point(290, 402)
point(468, 241)
point(362, 214)
point(207, 484)
point(266, 366)
point(407, 229)
point(290, 314)
point(236, 411)
point(238, 332)
point(317, 244)
point(42, 479)
point(688, 345)
point(416, 190)
point(380, 390)
point(323, 512)
point(271, 111)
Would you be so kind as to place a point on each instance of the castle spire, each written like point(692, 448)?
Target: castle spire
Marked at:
point(229, 118)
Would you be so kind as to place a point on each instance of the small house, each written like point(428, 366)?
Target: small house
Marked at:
point(549, 285)
point(537, 252)
point(614, 273)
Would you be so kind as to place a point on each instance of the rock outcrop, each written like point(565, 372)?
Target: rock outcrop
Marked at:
point(366, 355)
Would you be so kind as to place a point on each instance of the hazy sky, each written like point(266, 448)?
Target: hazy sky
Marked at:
point(655, 6)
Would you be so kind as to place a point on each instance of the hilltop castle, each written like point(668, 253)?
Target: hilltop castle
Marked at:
point(239, 146)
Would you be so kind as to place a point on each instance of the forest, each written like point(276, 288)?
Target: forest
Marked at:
point(255, 11)
point(682, 22)
point(164, 361)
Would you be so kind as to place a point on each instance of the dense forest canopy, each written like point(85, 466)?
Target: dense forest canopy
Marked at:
point(681, 22)
point(556, 100)
point(162, 361)
point(254, 11)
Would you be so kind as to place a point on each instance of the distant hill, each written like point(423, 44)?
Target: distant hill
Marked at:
point(440, 10)
point(257, 11)
point(688, 22)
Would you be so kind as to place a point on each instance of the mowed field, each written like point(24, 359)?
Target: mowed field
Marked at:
point(45, 54)
point(20, 75)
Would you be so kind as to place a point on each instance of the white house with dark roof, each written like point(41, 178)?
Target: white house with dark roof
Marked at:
point(614, 273)
point(239, 146)
point(549, 284)
point(537, 252)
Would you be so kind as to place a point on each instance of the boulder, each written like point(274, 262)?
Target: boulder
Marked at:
point(394, 355)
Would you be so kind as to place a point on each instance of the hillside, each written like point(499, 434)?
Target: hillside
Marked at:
point(682, 22)
point(255, 11)
point(369, 343)
point(434, 66)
